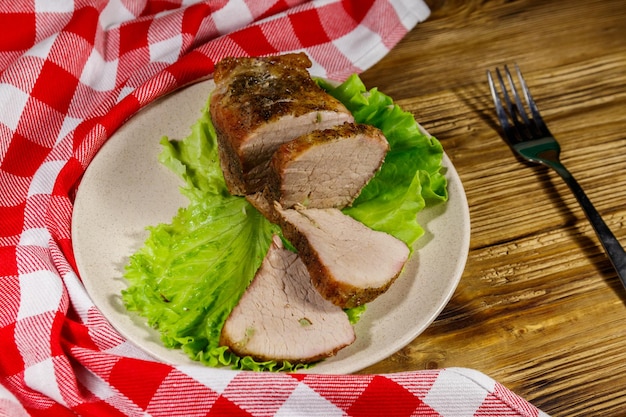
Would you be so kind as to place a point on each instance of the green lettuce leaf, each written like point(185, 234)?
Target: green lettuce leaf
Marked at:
point(190, 273)
point(411, 175)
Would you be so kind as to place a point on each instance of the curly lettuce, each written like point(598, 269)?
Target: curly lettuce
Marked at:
point(191, 272)
point(411, 175)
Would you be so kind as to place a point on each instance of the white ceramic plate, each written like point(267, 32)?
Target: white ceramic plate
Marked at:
point(125, 189)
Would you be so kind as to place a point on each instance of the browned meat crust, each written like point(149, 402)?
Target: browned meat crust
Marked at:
point(260, 103)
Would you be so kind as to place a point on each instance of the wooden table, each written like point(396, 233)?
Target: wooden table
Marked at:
point(539, 307)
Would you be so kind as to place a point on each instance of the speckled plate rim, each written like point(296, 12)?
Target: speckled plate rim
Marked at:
point(125, 189)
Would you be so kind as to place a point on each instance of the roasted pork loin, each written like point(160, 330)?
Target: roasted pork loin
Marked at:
point(282, 317)
point(349, 263)
point(326, 168)
point(259, 104)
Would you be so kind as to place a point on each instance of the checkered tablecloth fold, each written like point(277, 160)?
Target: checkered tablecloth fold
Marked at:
point(71, 73)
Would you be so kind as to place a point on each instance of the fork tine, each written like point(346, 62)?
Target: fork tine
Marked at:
point(516, 110)
point(500, 112)
point(518, 101)
point(541, 125)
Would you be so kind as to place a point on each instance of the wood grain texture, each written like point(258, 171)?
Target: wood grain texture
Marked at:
point(539, 307)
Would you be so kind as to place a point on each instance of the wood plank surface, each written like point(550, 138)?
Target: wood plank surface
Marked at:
point(539, 307)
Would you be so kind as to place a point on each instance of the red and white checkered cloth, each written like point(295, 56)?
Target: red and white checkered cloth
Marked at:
point(71, 72)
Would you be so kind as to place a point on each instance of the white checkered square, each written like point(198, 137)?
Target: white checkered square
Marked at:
point(452, 396)
point(54, 6)
point(217, 379)
point(45, 177)
point(234, 15)
point(166, 50)
point(98, 73)
point(12, 102)
point(42, 49)
point(69, 124)
point(35, 237)
point(114, 13)
point(361, 39)
point(41, 292)
point(38, 378)
point(304, 401)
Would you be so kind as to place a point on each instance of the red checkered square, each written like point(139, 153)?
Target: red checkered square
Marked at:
point(88, 137)
point(23, 157)
point(55, 87)
point(308, 28)
point(56, 348)
point(384, 397)
point(66, 184)
point(200, 19)
point(134, 36)
point(22, 28)
point(358, 9)
point(84, 23)
point(253, 41)
point(192, 19)
point(158, 6)
point(59, 216)
point(77, 334)
point(137, 379)
point(221, 47)
point(11, 224)
point(98, 408)
point(225, 407)
point(186, 73)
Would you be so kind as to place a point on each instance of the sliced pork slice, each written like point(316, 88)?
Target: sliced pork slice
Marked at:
point(282, 317)
point(259, 104)
point(349, 263)
point(326, 168)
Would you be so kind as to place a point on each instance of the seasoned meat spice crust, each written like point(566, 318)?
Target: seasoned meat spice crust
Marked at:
point(259, 104)
point(266, 89)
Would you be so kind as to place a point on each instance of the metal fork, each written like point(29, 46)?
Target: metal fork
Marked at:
point(529, 137)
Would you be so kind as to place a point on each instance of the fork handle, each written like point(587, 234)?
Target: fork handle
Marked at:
point(609, 242)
